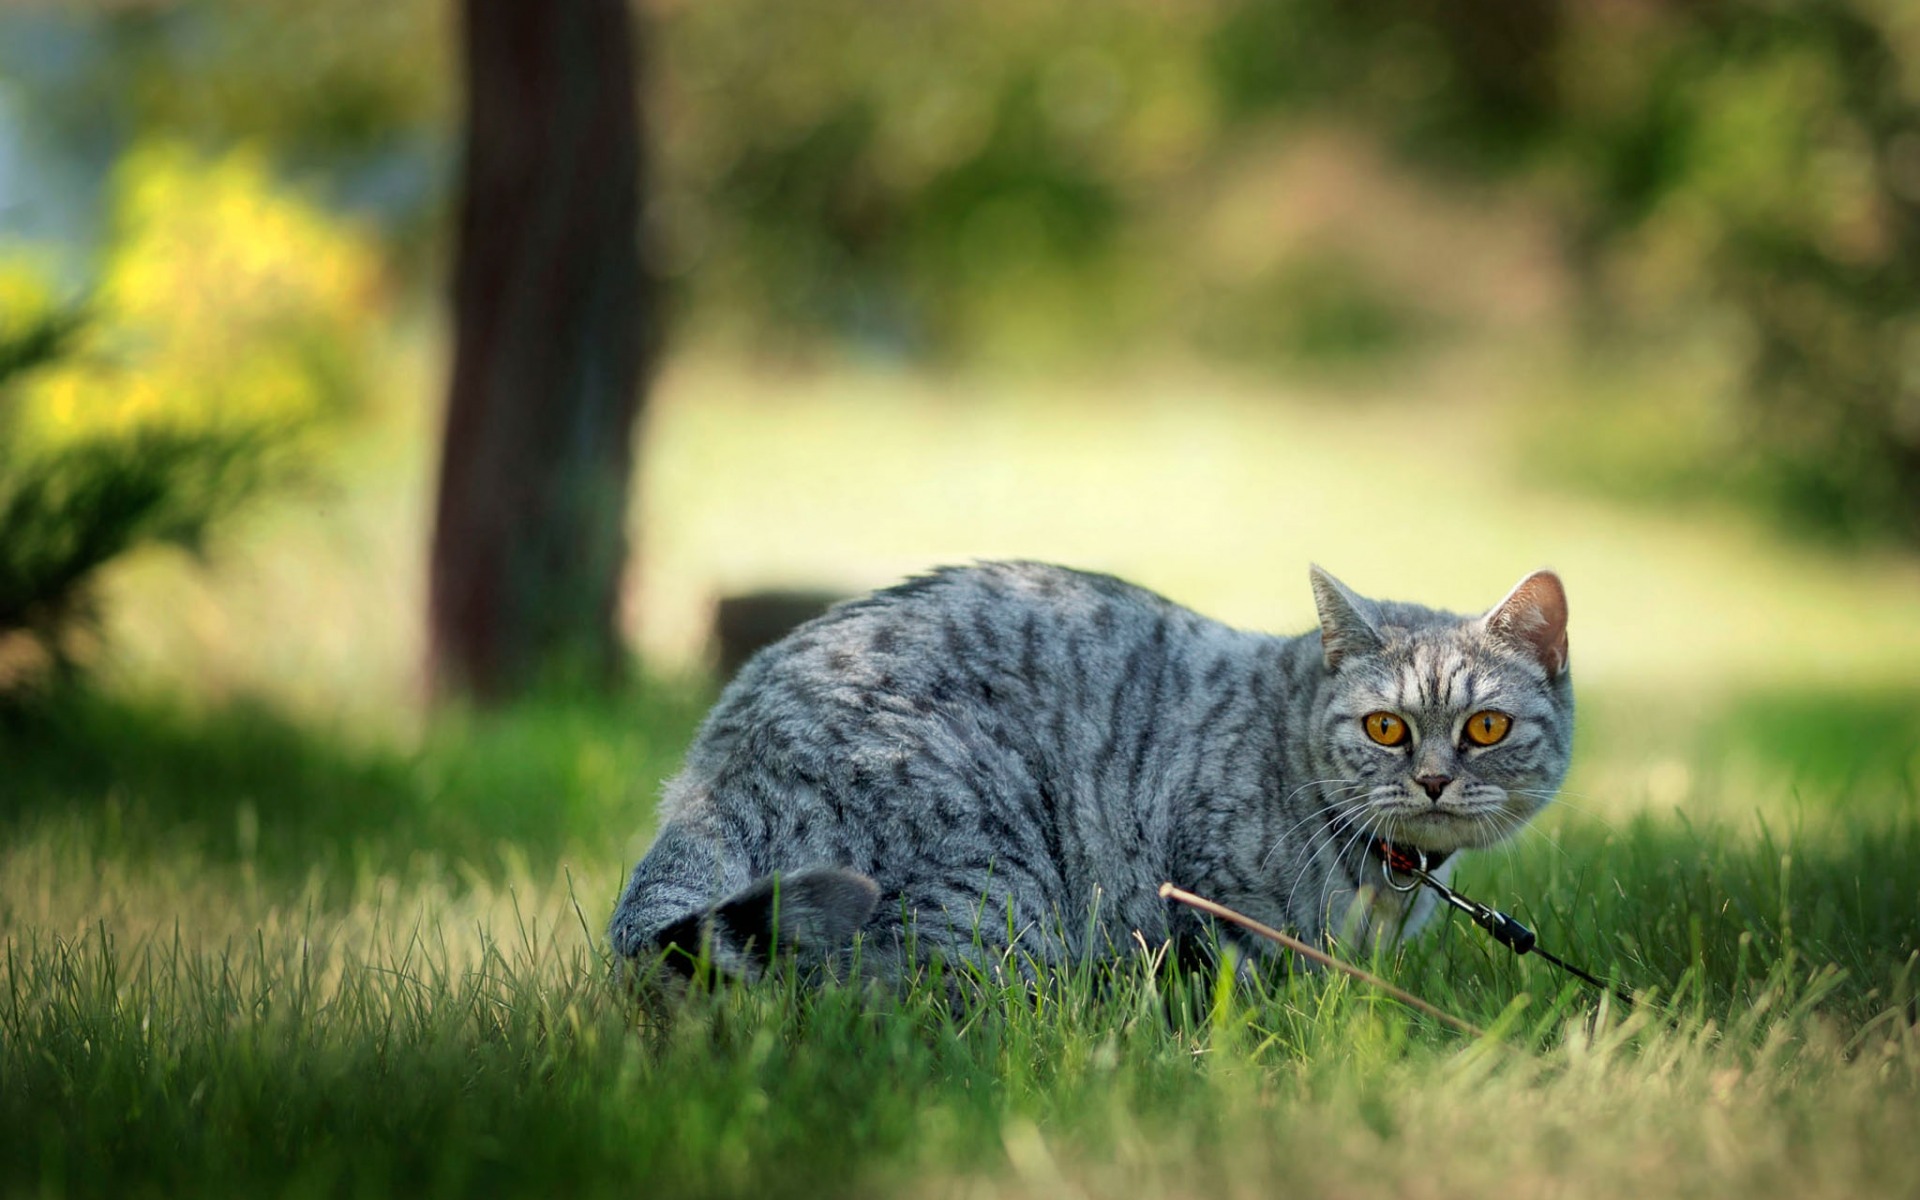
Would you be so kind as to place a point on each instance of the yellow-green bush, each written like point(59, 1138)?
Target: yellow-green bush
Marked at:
point(232, 319)
point(226, 303)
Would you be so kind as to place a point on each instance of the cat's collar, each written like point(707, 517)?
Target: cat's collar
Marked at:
point(1407, 859)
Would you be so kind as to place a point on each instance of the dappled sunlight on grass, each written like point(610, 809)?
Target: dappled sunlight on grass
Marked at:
point(241, 1028)
point(248, 872)
point(445, 916)
point(242, 787)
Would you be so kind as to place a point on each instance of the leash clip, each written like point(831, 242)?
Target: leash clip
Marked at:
point(1402, 862)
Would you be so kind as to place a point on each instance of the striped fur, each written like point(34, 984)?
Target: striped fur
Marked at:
point(1015, 756)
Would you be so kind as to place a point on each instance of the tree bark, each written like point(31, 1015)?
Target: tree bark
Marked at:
point(551, 316)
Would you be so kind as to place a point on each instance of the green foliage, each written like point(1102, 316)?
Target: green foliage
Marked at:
point(1755, 162)
point(335, 81)
point(1762, 164)
point(230, 321)
point(952, 179)
point(64, 514)
point(35, 338)
point(247, 786)
point(1447, 80)
point(1865, 742)
point(1314, 310)
point(67, 514)
point(892, 174)
point(1750, 163)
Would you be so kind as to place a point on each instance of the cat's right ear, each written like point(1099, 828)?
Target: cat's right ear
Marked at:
point(1346, 625)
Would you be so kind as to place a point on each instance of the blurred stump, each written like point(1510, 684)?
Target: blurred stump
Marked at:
point(743, 624)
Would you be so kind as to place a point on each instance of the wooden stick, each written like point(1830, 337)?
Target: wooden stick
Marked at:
point(1170, 892)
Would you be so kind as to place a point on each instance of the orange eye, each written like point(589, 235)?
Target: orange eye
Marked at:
point(1385, 728)
point(1487, 727)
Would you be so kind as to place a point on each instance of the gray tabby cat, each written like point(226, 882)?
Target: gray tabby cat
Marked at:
point(1014, 756)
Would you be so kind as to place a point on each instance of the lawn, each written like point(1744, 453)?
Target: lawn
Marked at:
point(266, 932)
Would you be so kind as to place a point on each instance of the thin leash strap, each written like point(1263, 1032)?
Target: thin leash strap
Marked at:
point(1510, 933)
point(1580, 973)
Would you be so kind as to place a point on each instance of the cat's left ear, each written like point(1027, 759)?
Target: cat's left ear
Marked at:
point(1533, 620)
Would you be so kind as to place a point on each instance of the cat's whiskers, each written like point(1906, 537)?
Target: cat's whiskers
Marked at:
point(1553, 843)
point(1316, 783)
point(1355, 822)
point(1345, 813)
point(1559, 797)
point(1517, 827)
point(1346, 810)
point(1302, 876)
point(1363, 833)
point(1556, 792)
point(1333, 798)
point(1496, 834)
point(1375, 825)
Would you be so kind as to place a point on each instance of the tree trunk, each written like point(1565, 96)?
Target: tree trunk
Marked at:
point(551, 312)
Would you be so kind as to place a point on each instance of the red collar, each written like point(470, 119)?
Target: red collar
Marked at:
point(1408, 859)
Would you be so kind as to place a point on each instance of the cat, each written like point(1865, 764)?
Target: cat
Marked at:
point(1000, 764)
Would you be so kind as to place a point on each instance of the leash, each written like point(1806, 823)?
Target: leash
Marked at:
point(1417, 866)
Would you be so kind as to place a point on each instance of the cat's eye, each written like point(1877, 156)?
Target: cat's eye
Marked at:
point(1487, 727)
point(1385, 728)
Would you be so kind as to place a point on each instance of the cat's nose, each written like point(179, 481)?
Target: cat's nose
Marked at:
point(1433, 784)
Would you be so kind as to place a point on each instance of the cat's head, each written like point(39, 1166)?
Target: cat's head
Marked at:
point(1438, 730)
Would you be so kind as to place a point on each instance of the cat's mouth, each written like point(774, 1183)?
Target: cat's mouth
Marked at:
point(1438, 832)
point(1447, 829)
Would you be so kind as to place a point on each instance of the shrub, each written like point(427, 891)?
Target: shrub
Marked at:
point(231, 321)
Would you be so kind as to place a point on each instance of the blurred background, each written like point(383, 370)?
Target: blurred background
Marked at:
point(395, 394)
point(1193, 291)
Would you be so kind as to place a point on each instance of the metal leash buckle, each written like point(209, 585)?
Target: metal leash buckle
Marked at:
point(1388, 872)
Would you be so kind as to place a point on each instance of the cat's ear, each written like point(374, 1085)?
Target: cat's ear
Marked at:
point(1533, 620)
point(1346, 619)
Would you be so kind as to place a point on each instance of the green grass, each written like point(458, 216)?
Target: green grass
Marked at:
point(138, 780)
point(388, 979)
point(265, 930)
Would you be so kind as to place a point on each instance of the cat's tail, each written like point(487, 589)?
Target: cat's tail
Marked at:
point(666, 914)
